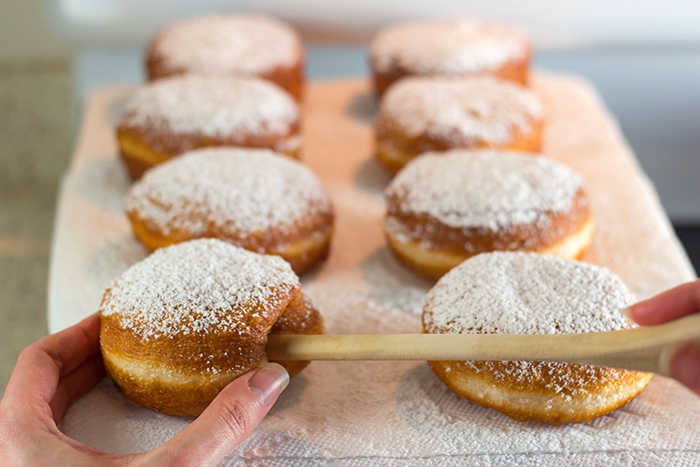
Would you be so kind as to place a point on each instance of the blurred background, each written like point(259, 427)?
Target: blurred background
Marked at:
point(643, 56)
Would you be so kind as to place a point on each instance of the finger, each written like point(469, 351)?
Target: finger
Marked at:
point(76, 383)
point(685, 367)
point(667, 306)
point(40, 366)
point(228, 420)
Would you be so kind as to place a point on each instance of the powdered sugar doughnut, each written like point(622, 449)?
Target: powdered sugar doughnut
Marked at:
point(454, 47)
point(163, 119)
point(443, 208)
point(252, 198)
point(180, 325)
point(525, 293)
point(239, 45)
point(437, 114)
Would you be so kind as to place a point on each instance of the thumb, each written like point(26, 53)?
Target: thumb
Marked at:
point(228, 420)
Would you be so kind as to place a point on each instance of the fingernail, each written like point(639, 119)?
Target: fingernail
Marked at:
point(685, 366)
point(269, 382)
point(638, 311)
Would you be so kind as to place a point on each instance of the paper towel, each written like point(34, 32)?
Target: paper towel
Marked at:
point(385, 413)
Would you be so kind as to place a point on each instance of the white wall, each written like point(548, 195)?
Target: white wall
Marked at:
point(552, 23)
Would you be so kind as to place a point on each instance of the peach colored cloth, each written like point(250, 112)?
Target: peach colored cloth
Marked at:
point(380, 413)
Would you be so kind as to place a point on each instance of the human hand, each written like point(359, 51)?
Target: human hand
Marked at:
point(55, 371)
point(667, 306)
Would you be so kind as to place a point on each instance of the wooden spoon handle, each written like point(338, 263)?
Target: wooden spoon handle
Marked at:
point(643, 349)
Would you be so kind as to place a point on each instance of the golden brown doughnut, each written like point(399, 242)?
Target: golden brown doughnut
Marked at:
point(525, 293)
point(180, 325)
point(443, 208)
point(454, 48)
point(163, 119)
point(240, 45)
point(252, 198)
point(437, 114)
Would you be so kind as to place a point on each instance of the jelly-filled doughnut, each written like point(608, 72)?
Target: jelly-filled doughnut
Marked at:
point(438, 114)
point(443, 208)
point(252, 198)
point(454, 47)
point(526, 293)
point(163, 119)
point(240, 45)
point(180, 325)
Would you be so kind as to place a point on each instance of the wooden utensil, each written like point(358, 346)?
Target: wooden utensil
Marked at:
point(646, 348)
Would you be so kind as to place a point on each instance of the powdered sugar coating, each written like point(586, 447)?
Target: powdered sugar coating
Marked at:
point(228, 44)
point(241, 190)
point(489, 189)
point(480, 108)
point(214, 106)
point(526, 293)
point(447, 47)
point(197, 286)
